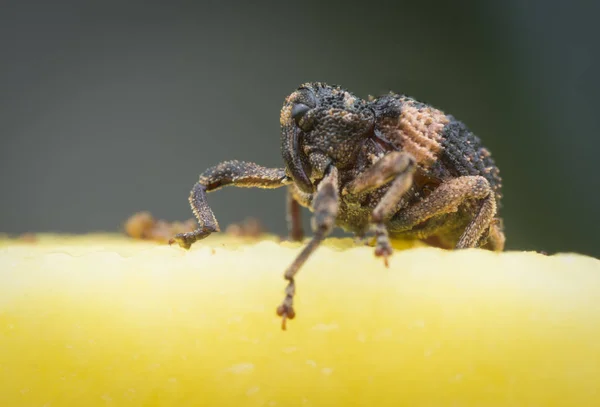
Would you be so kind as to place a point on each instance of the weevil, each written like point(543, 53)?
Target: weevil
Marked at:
point(385, 167)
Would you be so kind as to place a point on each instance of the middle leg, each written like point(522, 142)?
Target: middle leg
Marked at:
point(397, 167)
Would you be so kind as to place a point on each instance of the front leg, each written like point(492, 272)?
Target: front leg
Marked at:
point(325, 206)
point(236, 173)
point(396, 166)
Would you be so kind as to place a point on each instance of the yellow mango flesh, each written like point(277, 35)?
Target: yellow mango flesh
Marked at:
point(106, 321)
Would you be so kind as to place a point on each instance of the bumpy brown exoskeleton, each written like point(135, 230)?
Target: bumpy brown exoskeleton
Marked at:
point(390, 166)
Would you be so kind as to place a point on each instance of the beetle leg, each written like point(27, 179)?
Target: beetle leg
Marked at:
point(325, 206)
point(294, 217)
point(397, 167)
point(446, 199)
point(496, 239)
point(236, 173)
point(381, 173)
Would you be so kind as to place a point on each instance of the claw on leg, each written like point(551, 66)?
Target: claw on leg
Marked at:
point(285, 312)
point(286, 309)
point(383, 247)
point(186, 240)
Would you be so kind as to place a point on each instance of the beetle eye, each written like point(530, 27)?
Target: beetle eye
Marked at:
point(298, 112)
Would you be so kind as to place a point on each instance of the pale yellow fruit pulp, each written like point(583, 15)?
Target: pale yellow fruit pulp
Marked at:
point(106, 321)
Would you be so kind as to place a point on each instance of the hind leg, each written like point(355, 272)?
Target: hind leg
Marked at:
point(446, 199)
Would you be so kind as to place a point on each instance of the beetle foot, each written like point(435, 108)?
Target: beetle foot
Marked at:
point(383, 247)
point(286, 312)
point(186, 240)
point(286, 309)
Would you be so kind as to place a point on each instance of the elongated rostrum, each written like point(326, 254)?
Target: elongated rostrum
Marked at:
point(385, 167)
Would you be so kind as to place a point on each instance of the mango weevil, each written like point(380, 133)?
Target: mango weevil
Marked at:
point(391, 166)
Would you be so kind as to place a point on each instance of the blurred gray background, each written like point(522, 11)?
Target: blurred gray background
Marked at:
point(108, 108)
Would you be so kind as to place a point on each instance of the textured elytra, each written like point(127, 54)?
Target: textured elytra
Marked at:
point(417, 132)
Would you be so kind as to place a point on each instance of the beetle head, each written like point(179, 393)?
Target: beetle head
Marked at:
point(324, 119)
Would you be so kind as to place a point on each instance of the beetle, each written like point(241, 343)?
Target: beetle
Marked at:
point(387, 167)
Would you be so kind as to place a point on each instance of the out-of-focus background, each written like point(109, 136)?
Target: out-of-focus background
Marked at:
point(111, 107)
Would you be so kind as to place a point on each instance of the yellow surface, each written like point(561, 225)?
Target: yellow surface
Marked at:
point(106, 321)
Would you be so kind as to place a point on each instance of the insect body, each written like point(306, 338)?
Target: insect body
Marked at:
point(391, 166)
